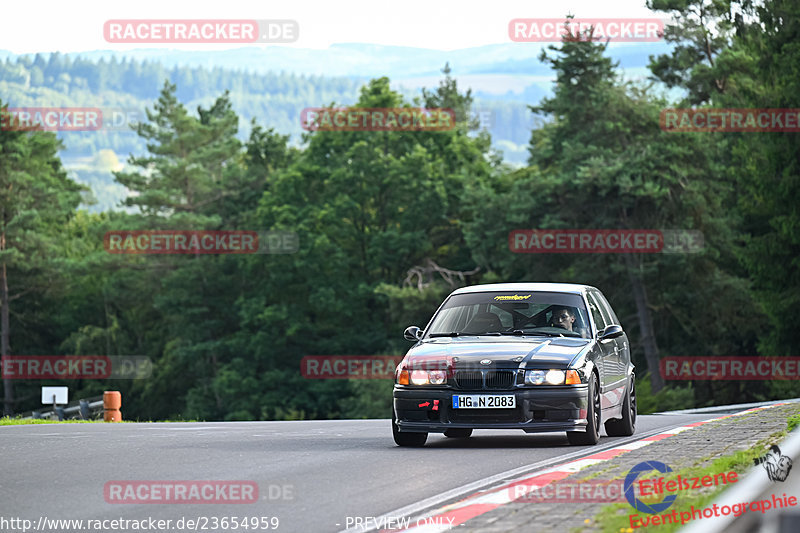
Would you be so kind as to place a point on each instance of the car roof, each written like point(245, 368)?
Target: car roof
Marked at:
point(570, 288)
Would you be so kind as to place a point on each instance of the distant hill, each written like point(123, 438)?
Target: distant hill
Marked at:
point(274, 84)
point(370, 60)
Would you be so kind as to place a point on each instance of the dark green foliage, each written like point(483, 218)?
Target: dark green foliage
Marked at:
point(387, 220)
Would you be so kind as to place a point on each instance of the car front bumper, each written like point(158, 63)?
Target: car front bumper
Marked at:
point(560, 408)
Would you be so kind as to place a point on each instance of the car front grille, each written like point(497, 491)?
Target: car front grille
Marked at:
point(502, 379)
point(484, 379)
point(469, 380)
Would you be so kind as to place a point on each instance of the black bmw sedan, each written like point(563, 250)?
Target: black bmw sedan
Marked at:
point(539, 357)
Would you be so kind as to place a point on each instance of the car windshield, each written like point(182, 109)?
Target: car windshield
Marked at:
point(511, 313)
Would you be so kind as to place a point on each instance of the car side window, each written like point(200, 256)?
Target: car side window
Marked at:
point(594, 308)
point(605, 307)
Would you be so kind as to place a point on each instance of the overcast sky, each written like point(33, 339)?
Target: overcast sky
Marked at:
point(73, 26)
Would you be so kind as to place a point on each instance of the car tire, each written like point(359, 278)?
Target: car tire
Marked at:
point(593, 416)
point(458, 433)
point(407, 439)
point(625, 426)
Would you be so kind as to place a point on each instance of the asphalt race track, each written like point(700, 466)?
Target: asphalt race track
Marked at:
point(311, 475)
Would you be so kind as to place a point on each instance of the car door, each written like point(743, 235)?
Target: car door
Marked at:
point(607, 354)
point(617, 372)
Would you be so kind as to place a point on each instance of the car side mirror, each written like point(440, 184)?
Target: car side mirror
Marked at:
point(611, 332)
point(412, 333)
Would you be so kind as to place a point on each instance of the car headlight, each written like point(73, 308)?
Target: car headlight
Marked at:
point(555, 377)
point(534, 377)
point(428, 377)
point(552, 377)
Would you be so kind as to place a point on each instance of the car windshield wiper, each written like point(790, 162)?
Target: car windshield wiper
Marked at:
point(460, 334)
point(514, 332)
point(546, 333)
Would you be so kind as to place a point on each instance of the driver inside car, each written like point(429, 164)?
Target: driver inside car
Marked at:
point(563, 317)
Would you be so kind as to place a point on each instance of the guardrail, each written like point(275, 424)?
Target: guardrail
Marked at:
point(733, 408)
point(86, 409)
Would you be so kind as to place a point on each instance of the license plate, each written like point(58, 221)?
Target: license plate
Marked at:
point(484, 401)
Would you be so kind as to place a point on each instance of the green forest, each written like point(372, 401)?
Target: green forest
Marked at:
point(381, 216)
point(61, 80)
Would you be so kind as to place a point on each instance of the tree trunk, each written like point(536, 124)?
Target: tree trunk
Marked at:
point(8, 385)
point(651, 354)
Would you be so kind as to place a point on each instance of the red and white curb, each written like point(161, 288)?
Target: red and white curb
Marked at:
point(445, 518)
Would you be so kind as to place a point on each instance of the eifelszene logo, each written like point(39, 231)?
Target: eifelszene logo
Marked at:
point(629, 485)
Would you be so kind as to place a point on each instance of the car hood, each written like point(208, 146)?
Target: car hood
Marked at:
point(501, 352)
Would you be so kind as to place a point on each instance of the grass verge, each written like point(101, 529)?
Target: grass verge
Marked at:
point(6, 421)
